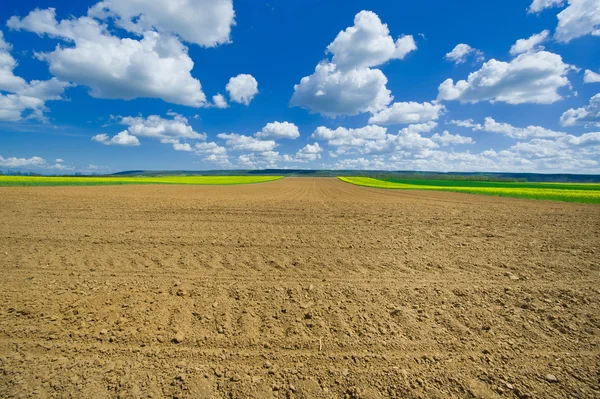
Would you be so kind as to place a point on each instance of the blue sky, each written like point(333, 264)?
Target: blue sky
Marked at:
point(98, 87)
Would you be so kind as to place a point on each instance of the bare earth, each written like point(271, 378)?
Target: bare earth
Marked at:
point(299, 288)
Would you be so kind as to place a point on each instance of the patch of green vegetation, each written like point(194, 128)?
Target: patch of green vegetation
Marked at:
point(588, 193)
point(118, 180)
point(479, 183)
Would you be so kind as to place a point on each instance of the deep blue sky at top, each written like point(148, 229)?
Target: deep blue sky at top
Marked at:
point(279, 42)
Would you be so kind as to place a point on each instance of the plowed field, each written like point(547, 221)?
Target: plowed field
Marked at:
point(297, 288)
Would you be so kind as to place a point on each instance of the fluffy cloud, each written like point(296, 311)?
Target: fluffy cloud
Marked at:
point(580, 18)
point(529, 78)
point(346, 84)
point(212, 153)
point(157, 66)
point(591, 77)
point(241, 143)
point(242, 88)
point(24, 100)
point(568, 153)
point(342, 136)
point(332, 92)
point(309, 153)
point(446, 139)
point(219, 101)
point(182, 147)
point(168, 131)
point(589, 115)
point(32, 163)
point(525, 45)
point(461, 51)
point(408, 112)
point(368, 43)
point(373, 139)
point(204, 22)
point(14, 162)
point(539, 5)
point(278, 130)
point(490, 125)
point(123, 139)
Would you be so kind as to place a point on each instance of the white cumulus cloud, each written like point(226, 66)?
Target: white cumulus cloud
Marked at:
point(168, 131)
point(506, 129)
point(580, 18)
point(539, 5)
point(204, 22)
point(23, 99)
point(123, 139)
point(213, 153)
point(447, 139)
point(368, 43)
point(532, 43)
point(332, 92)
point(588, 115)
point(241, 143)
point(308, 153)
point(278, 130)
point(529, 78)
point(156, 66)
point(219, 101)
point(461, 51)
point(591, 77)
point(347, 84)
point(408, 112)
point(242, 88)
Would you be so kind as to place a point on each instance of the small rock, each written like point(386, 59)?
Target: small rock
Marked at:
point(276, 387)
point(178, 337)
point(551, 378)
point(103, 332)
point(511, 276)
point(510, 386)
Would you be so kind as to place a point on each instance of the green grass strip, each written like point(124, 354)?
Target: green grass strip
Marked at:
point(586, 193)
point(14, 181)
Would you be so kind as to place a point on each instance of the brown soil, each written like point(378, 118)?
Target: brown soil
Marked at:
point(299, 288)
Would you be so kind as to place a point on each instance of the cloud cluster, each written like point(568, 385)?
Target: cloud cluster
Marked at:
point(492, 126)
point(532, 43)
point(167, 131)
point(588, 115)
point(567, 153)
point(532, 77)
point(461, 52)
point(152, 64)
point(580, 18)
point(203, 22)
point(347, 84)
point(408, 112)
point(122, 139)
point(23, 99)
point(32, 163)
